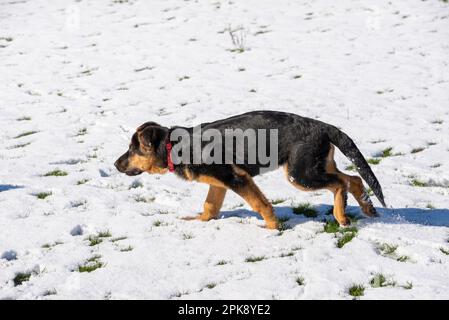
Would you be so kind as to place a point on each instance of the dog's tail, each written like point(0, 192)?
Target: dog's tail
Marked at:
point(343, 142)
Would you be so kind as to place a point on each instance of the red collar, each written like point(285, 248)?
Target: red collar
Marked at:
point(168, 147)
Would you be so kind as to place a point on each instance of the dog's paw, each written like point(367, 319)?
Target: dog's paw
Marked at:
point(191, 218)
point(199, 217)
point(345, 222)
point(370, 211)
point(272, 225)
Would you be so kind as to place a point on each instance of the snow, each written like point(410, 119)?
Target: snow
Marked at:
point(85, 74)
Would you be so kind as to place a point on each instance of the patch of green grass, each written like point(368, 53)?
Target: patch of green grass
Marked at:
point(297, 76)
point(374, 161)
point(82, 181)
point(356, 290)
point(20, 145)
point(104, 234)
point(43, 195)
point(288, 254)
point(331, 226)
point(90, 266)
point(300, 281)
point(277, 201)
point(211, 285)
point(118, 239)
point(351, 167)
point(187, 236)
point(388, 152)
point(222, 263)
point(430, 206)
point(347, 237)
point(136, 184)
point(78, 203)
point(126, 249)
point(140, 198)
point(51, 245)
point(254, 259)
point(379, 281)
point(49, 292)
point(94, 240)
point(158, 223)
point(56, 173)
point(403, 259)
point(283, 223)
point(437, 121)
point(94, 258)
point(305, 209)
point(445, 251)
point(416, 150)
point(261, 32)
point(24, 134)
point(419, 183)
point(25, 118)
point(436, 165)
point(21, 277)
point(81, 132)
point(387, 249)
point(183, 78)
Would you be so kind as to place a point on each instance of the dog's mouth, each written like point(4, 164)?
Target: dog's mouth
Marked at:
point(133, 172)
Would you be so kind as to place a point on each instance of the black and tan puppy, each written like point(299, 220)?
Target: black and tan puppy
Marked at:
point(305, 148)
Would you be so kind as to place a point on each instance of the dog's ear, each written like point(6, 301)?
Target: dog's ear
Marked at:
point(152, 136)
point(146, 124)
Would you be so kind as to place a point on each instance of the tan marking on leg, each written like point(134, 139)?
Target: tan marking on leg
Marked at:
point(331, 166)
point(210, 180)
point(188, 174)
point(339, 205)
point(213, 203)
point(257, 200)
point(353, 184)
point(356, 188)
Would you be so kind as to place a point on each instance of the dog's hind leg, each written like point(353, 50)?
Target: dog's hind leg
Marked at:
point(354, 184)
point(307, 170)
point(356, 188)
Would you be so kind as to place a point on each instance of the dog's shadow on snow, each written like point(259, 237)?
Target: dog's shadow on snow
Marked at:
point(425, 217)
point(6, 187)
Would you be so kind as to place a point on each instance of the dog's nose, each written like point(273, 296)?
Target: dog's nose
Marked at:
point(117, 165)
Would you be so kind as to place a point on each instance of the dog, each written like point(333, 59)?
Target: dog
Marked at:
point(305, 149)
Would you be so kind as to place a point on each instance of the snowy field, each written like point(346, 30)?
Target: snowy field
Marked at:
point(77, 78)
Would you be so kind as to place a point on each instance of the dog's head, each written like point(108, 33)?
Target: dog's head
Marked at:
point(146, 152)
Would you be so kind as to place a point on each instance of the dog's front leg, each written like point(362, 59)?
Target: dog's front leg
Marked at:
point(212, 205)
